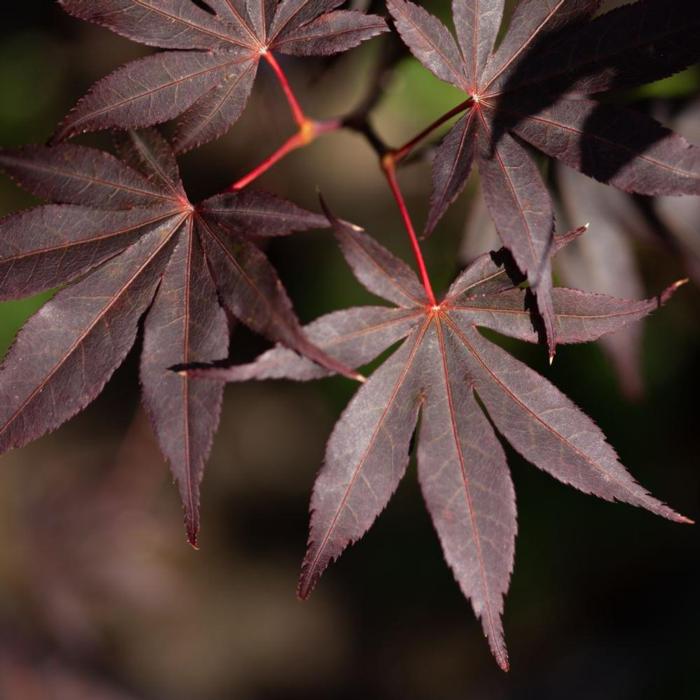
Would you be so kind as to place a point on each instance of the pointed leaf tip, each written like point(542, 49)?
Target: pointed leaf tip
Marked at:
point(670, 514)
point(334, 220)
point(562, 240)
point(192, 527)
point(502, 659)
point(306, 585)
point(672, 289)
point(192, 530)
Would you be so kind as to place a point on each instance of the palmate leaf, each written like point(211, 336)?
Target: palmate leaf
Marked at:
point(535, 87)
point(208, 69)
point(460, 384)
point(127, 238)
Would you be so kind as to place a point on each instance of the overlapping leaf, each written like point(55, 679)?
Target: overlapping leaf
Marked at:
point(462, 385)
point(207, 72)
point(681, 216)
point(535, 87)
point(604, 260)
point(128, 243)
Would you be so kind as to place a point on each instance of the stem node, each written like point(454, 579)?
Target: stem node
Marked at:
point(297, 111)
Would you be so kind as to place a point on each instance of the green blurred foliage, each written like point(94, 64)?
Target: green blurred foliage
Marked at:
point(13, 314)
point(683, 84)
point(32, 75)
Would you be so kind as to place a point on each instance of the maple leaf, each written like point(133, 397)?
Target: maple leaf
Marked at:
point(129, 244)
point(206, 75)
point(465, 388)
point(535, 87)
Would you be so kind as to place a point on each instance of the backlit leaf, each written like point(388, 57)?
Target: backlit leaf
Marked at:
point(147, 252)
point(551, 48)
point(207, 79)
point(460, 385)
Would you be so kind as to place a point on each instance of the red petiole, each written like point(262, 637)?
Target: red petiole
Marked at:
point(308, 131)
point(306, 134)
point(400, 153)
point(297, 111)
point(389, 169)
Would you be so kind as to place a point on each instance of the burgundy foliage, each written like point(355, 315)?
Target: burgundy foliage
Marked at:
point(133, 246)
point(206, 75)
point(129, 254)
point(536, 87)
point(464, 388)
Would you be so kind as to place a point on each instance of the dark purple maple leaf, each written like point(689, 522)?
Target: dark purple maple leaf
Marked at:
point(535, 87)
point(207, 72)
point(129, 244)
point(462, 385)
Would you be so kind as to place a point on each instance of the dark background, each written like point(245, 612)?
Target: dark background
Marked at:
point(101, 598)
